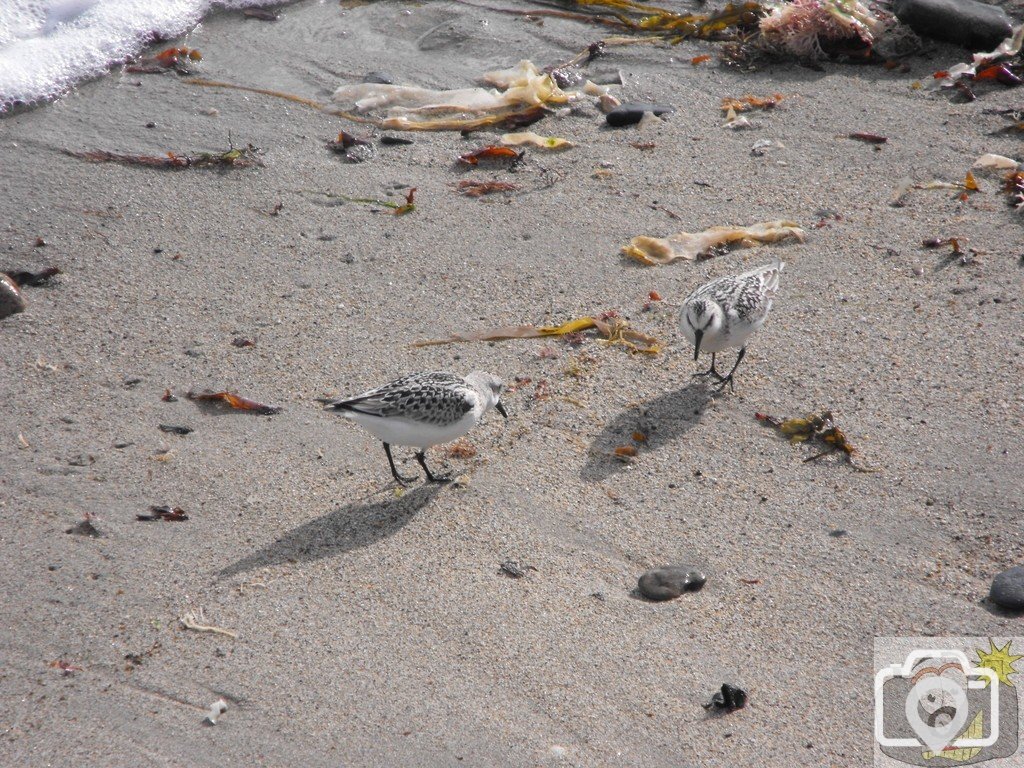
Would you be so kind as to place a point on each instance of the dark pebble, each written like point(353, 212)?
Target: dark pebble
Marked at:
point(632, 113)
point(1008, 589)
point(85, 528)
point(670, 582)
point(175, 430)
point(11, 300)
point(394, 140)
point(838, 532)
point(729, 698)
point(384, 78)
point(977, 26)
point(568, 77)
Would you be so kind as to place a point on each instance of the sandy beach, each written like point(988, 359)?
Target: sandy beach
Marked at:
point(373, 628)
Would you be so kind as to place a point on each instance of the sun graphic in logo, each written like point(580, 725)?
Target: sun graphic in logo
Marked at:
point(999, 660)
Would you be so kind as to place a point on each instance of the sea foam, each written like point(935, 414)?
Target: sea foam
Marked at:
point(47, 46)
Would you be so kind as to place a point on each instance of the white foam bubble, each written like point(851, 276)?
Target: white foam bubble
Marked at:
point(47, 46)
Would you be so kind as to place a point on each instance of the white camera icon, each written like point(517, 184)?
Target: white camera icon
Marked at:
point(939, 691)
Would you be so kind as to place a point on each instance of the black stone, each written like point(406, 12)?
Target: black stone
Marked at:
point(977, 26)
point(394, 140)
point(632, 113)
point(1007, 589)
point(729, 698)
point(174, 429)
point(383, 78)
point(670, 581)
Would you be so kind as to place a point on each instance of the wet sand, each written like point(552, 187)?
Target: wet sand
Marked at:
point(375, 630)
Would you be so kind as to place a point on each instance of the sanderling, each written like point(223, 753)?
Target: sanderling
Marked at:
point(423, 409)
point(725, 312)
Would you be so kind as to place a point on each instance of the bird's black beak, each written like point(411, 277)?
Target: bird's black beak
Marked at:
point(501, 409)
point(697, 336)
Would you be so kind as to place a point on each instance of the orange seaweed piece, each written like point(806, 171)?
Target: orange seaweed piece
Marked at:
point(234, 401)
point(490, 152)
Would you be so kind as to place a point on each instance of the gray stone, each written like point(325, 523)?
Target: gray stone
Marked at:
point(11, 300)
point(1007, 589)
point(670, 581)
point(977, 26)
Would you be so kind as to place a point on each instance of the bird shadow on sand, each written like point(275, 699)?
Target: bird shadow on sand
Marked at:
point(661, 420)
point(350, 527)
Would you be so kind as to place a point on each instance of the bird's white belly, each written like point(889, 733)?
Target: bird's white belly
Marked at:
point(735, 338)
point(395, 431)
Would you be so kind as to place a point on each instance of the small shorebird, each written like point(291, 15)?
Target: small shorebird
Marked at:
point(725, 312)
point(423, 409)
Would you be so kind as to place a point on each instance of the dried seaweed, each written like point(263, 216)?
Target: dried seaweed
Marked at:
point(815, 428)
point(868, 138)
point(164, 513)
point(481, 188)
point(397, 209)
point(246, 157)
point(492, 153)
point(985, 63)
point(678, 27)
point(536, 140)
point(194, 620)
point(613, 328)
point(816, 29)
point(234, 401)
point(344, 141)
point(750, 102)
point(178, 59)
point(511, 118)
point(692, 246)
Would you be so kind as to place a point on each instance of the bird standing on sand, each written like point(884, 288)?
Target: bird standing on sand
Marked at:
point(423, 409)
point(725, 312)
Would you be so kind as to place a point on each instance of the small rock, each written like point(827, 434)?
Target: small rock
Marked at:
point(632, 113)
point(838, 533)
point(729, 698)
point(568, 77)
point(394, 140)
point(977, 26)
point(359, 153)
point(82, 460)
point(670, 582)
point(174, 429)
point(608, 103)
point(218, 708)
point(383, 78)
point(1007, 589)
point(11, 300)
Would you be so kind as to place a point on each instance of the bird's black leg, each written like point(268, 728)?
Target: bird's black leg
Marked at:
point(728, 378)
point(394, 471)
point(421, 457)
point(711, 371)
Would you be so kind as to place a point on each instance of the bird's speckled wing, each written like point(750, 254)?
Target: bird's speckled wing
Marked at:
point(746, 297)
point(430, 398)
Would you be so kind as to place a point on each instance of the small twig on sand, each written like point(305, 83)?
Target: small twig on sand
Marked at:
point(192, 619)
